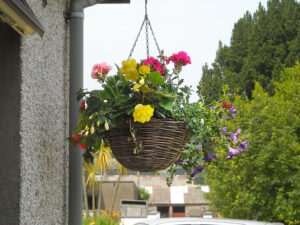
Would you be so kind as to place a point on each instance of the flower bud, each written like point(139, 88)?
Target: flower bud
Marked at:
point(142, 81)
point(136, 88)
point(106, 125)
point(92, 129)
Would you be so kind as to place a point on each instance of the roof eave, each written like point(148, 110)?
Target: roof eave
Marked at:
point(19, 15)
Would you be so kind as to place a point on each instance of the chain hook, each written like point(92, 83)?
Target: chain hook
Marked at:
point(146, 11)
point(147, 24)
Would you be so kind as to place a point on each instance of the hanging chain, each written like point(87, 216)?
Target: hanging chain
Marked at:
point(158, 49)
point(147, 24)
point(137, 38)
point(147, 40)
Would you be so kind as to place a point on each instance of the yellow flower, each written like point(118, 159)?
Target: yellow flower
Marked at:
point(129, 69)
point(142, 81)
point(142, 113)
point(144, 69)
point(131, 74)
point(136, 88)
point(92, 223)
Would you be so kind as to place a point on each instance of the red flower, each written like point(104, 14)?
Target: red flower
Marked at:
point(83, 104)
point(81, 146)
point(213, 143)
point(226, 105)
point(76, 138)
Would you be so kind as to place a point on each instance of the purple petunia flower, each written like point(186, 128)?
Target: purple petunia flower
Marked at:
point(199, 149)
point(226, 117)
point(198, 170)
point(212, 107)
point(233, 112)
point(209, 156)
point(232, 152)
point(235, 136)
point(243, 146)
point(224, 130)
point(178, 161)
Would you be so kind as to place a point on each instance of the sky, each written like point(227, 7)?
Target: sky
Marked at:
point(193, 26)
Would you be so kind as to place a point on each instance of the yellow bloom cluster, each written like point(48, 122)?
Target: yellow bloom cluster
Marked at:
point(144, 70)
point(129, 69)
point(142, 113)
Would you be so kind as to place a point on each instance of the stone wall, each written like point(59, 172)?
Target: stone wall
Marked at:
point(44, 118)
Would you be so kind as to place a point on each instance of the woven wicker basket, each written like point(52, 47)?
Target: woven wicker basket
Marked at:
point(163, 140)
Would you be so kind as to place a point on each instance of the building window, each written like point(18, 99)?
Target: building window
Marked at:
point(164, 211)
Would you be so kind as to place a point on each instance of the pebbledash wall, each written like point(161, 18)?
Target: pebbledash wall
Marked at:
point(34, 120)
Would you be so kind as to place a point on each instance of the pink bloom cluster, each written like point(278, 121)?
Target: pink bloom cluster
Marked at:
point(179, 59)
point(155, 65)
point(100, 70)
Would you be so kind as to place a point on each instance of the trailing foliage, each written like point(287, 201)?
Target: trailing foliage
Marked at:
point(261, 45)
point(264, 182)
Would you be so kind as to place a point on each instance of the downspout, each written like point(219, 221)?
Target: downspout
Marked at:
point(76, 82)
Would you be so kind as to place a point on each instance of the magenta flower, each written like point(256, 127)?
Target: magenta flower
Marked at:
point(179, 59)
point(155, 65)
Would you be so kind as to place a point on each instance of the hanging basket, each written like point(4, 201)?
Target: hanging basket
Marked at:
point(162, 142)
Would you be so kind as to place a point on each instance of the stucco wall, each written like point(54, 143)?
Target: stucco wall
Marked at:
point(44, 118)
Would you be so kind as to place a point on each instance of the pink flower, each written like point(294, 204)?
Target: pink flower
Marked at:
point(100, 70)
point(155, 65)
point(105, 68)
point(179, 59)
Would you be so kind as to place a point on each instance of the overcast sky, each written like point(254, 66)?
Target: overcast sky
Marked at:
point(194, 26)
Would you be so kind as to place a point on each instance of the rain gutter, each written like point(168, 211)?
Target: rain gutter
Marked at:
point(76, 16)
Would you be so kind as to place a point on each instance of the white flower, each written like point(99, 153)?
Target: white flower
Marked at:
point(202, 121)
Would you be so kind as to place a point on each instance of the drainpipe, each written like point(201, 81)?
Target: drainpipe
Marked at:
point(76, 82)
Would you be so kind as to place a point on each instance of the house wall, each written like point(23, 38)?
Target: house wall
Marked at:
point(127, 191)
point(9, 124)
point(44, 118)
point(179, 194)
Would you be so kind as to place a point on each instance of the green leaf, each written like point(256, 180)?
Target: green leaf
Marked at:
point(156, 78)
point(167, 104)
point(145, 89)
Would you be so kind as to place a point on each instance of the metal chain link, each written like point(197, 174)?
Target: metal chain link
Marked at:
point(137, 38)
point(158, 49)
point(147, 24)
point(147, 39)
